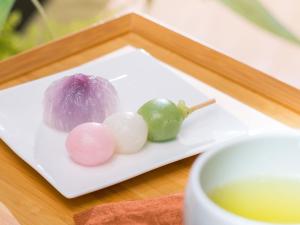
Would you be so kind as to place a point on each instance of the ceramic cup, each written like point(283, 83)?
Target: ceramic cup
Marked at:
point(259, 155)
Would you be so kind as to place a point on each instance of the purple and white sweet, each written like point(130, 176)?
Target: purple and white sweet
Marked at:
point(78, 99)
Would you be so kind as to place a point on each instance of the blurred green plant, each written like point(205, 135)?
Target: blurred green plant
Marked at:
point(12, 42)
point(7, 39)
point(255, 12)
point(5, 7)
point(44, 16)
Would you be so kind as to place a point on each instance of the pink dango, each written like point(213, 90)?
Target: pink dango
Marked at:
point(78, 99)
point(90, 144)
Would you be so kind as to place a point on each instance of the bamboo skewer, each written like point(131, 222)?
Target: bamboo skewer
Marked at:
point(201, 105)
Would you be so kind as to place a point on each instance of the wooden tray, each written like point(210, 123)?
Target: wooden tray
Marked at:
point(35, 202)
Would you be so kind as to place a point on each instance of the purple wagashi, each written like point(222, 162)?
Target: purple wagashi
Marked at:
point(77, 99)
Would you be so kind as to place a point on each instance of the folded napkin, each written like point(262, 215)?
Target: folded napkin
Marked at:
point(159, 211)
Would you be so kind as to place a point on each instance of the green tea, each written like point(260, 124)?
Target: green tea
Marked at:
point(264, 199)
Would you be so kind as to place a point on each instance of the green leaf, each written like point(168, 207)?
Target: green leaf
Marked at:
point(10, 40)
point(255, 12)
point(5, 7)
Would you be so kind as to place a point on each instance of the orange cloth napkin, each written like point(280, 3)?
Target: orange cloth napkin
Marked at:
point(166, 210)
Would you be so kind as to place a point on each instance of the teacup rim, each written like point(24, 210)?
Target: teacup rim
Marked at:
point(212, 152)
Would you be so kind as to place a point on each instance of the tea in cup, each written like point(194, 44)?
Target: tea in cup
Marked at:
point(253, 180)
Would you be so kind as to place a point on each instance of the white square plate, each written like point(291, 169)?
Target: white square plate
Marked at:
point(138, 77)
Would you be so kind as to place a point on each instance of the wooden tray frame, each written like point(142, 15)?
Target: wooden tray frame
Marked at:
point(33, 201)
point(239, 73)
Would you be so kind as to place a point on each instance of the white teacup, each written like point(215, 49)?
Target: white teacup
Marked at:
point(259, 155)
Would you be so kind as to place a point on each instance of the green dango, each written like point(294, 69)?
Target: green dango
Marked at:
point(164, 118)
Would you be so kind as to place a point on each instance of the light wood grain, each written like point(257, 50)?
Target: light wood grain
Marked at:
point(206, 57)
point(6, 217)
point(33, 201)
